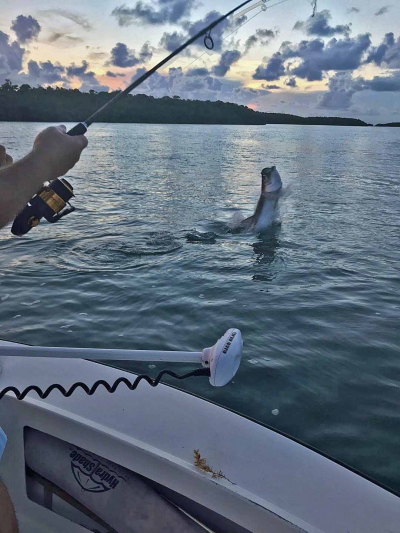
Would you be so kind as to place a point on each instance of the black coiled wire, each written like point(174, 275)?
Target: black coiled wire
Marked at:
point(109, 388)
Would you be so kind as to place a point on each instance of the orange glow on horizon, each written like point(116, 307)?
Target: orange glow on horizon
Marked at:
point(113, 83)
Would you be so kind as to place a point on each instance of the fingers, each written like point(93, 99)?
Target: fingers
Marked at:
point(5, 159)
point(83, 140)
point(80, 140)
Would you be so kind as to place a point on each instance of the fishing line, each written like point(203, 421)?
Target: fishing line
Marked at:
point(262, 10)
point(314, 5)
point(229, 34)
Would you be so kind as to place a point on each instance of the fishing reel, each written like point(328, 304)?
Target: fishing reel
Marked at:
point(51, 203)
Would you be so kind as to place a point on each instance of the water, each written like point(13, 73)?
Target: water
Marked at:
point(316, 298)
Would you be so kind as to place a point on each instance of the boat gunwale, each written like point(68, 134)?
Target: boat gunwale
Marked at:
point(296, 440)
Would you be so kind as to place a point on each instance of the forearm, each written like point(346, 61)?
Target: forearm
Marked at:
point(19, 182)
point(8, 520)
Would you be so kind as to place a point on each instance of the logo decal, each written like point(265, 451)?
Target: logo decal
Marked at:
point(91, 474)
point(230, 340)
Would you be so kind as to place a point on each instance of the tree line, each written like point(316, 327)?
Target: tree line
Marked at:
point(47, 104)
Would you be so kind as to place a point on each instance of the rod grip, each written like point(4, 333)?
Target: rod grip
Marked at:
point(79, 129)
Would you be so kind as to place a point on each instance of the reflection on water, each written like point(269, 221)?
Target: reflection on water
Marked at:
point(266, 254)
point(147, 262)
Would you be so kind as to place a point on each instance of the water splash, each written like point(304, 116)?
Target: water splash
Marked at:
point(208, 237)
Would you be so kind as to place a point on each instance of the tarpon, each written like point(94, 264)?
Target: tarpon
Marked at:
point(271, 188)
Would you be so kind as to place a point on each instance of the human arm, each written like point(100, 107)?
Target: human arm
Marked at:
point(8, 520)
point(52, 155)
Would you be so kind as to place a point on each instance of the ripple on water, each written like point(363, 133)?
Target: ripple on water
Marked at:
point(115, 252)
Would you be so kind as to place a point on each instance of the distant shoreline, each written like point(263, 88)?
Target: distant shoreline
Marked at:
point(39, 104)
point(388, 125)
point(176, 123)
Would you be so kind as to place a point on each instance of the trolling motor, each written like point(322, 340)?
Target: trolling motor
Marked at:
point(51, 203)
point(220, 364)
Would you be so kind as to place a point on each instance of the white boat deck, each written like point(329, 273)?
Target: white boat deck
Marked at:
point(275, 484)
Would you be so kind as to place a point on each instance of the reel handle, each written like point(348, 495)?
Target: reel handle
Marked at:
point(79, 129)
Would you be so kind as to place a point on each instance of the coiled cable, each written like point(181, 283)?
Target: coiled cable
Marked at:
point(20, 395)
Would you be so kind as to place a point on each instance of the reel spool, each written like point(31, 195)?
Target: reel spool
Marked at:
point(51, 203)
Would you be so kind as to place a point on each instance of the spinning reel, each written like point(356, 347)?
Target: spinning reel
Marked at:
point(51, 203)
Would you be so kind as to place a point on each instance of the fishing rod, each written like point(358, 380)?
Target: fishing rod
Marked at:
point(52, 200)
point(263, 7)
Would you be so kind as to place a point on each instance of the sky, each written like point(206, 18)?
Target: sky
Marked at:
point(344, 61)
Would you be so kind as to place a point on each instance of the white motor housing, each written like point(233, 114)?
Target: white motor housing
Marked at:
point(223, 359)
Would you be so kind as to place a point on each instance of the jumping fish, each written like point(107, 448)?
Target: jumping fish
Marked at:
point(271, 188)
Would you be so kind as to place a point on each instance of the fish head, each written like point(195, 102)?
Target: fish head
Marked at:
point(271, 180)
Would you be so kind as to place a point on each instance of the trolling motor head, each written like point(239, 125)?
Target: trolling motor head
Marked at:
point(51, 203)
point(223, 359)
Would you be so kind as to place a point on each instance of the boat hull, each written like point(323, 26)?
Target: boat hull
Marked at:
point(268, 482)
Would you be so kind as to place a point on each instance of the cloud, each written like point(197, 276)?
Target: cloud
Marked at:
point(114, 74)
point(387, 53)
point(226, 60)
point(202, 86)
point(291, 82)
point(353, 10)
point(46, 72)
point(315, 57)
point(383, 83)
point(217, 33)
point(201, 71)
point(247, 95)
point(261, 36)
point(96, 56)
point(159, 12)
point(43, 72)
point(139, 72)
point(90, 83)
point(88, 78)
point(77, 18)
point(318, 57)
point(341, 91)
point(55, 37)
point(25, 28)
point(269, 86)
point(74, 70)
point(122, 56)
point(273, 70)
point(213, 84)
point(11, 54)
point(319, 25)
point(172, 41)
point(382, 11)
point(342, 88)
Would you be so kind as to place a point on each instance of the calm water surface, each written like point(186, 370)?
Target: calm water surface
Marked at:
point(317, 297)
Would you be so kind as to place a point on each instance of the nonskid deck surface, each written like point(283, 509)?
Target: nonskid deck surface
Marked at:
point(269, 482)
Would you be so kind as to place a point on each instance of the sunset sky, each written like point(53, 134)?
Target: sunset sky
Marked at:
point(343, 62)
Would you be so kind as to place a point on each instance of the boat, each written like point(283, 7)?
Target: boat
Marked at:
point(158, 459)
